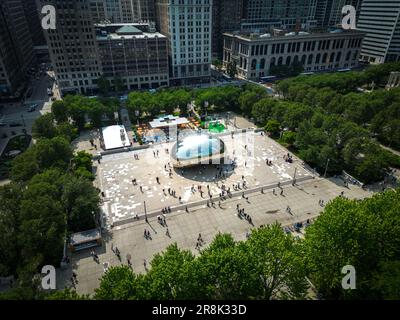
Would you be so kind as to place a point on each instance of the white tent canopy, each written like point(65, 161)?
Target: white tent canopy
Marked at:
point(115, 137)
point(168, 121)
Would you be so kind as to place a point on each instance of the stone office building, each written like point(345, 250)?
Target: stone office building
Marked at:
point(255, 54)
point(137, 57)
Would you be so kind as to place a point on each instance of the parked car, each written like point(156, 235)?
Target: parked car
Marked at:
point(15, 124)
point(33, 107)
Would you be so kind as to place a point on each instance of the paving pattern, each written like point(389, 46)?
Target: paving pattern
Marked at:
point(123, 200)
point(184, 227)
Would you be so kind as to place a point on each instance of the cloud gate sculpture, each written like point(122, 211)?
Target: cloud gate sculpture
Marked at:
point(198, 149)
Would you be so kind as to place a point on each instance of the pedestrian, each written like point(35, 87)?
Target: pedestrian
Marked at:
point(167, 232)
point(281, 192)
point(273, 191)
point(141, 189)
point(144, 263)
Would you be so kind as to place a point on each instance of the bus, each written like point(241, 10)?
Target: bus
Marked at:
point(344, 70)
point(269, 79)
point(307, 73)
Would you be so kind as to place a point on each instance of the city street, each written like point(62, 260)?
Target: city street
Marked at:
point(18, 112)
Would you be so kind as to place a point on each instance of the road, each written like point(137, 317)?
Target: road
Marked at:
point(18, 111)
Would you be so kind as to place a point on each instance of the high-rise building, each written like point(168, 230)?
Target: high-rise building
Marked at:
point(138, 10)
point(188, 26)
point(16, 49)
point(122, 11)
point(227, 16)
point(73, 48)
point(381, 21)
point(328, 13)
point(32, 14)
point(287, 14)
point(134, 55)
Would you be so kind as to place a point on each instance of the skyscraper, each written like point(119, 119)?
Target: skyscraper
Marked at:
point(262, 14)
point(187, 24)
point(32, 14)
point(73, 48)
point(227, 16)
point(16, 48)
point(381, 21)
point(329, 12)
point(122, 11)
point(138, 10)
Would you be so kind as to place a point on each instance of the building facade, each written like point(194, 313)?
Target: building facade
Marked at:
point(73, 47)
point(122, 11)
point(16, 49)
point(255, 55)
point(136, 57)
point(287, 14)
point(381, 22)
point(188, 26)
point(329, 12)
point(227, 17)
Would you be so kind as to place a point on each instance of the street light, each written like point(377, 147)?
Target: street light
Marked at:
point(145, 211)
point(294, 176)
point(326, 168)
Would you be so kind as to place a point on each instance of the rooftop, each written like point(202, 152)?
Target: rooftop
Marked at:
point(281, 34)
point(128, 30)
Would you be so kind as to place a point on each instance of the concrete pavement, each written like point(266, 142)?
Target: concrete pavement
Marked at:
point(184, 227)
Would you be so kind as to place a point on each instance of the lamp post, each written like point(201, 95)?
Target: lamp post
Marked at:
point(294, 176)
point(145, 211)
point(326, 168)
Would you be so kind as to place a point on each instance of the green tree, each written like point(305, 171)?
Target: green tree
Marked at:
point(66, 294)
point(120, 283)
point(351, 232)
point(81, 202)
point(60, 111)
point(289, 137)
point(44, 127)
point(272, 127)
point(246, 100)
point(54, 152)
point(278, 263)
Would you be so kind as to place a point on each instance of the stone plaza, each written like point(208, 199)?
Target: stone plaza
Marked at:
point(123, 200)
point(261, 197)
